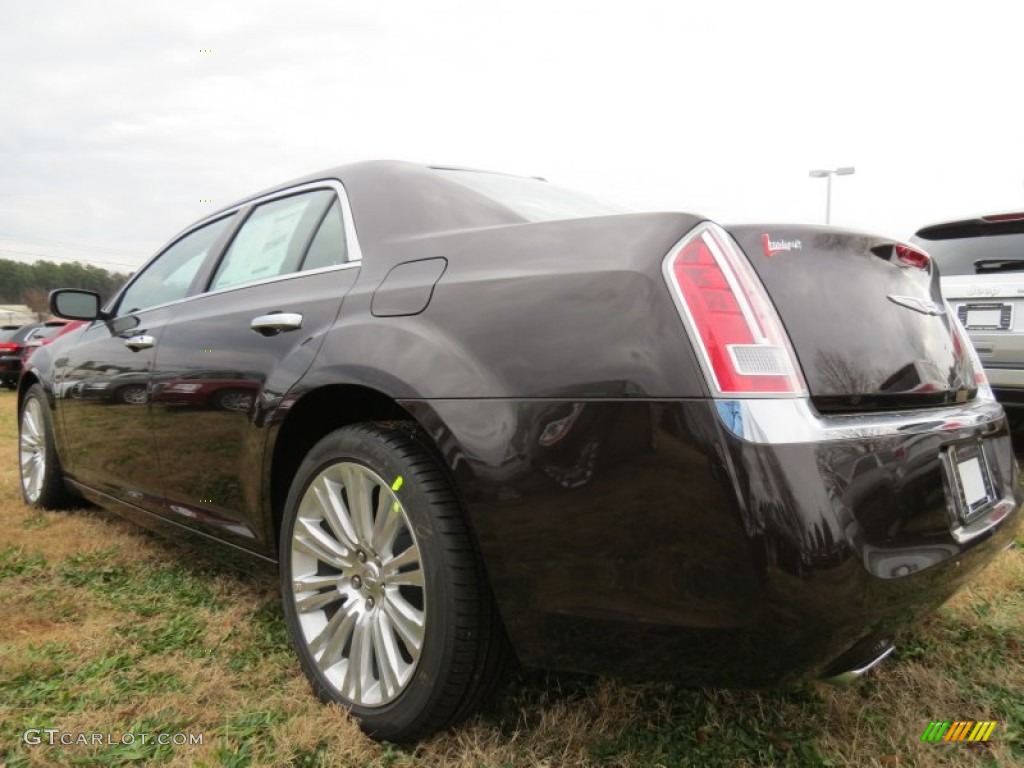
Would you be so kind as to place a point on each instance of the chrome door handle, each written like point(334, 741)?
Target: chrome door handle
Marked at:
point(140, 342)
point(276, 322)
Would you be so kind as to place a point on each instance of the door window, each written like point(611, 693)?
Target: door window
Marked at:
point(272, 240)
point(170, 276)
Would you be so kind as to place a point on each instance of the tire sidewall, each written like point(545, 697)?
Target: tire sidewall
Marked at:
point(363, 447)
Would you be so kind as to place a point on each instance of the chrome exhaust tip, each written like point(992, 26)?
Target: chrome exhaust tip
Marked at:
point(850, 676)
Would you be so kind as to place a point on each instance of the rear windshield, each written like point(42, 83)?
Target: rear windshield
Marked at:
point(6, 334)
point(957, 256)
point(533, 199)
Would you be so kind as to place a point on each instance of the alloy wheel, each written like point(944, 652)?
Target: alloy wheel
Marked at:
point(358, 584)
point(32, 445)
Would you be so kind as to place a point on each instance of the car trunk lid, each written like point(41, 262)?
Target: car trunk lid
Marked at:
point(865, 316)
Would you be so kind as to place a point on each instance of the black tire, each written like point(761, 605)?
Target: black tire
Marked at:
point(52, 493)
point(463, 645)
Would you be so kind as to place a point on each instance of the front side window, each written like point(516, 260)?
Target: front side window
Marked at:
point(272, 240)
point(169, 277)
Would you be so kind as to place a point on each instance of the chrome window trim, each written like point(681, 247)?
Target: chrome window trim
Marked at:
point(353, 249)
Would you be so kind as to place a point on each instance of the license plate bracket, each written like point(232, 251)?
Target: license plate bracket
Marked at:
point(970, 480)
point(986, 316)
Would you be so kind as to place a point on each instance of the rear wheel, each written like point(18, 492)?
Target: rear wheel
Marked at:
point(42, 482)
point(384, 595)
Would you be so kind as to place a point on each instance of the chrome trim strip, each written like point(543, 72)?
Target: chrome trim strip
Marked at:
point(793, 420)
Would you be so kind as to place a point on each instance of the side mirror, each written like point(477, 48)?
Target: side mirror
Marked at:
point(74, 304)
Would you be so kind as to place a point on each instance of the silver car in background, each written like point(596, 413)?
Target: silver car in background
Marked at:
point(981, 262)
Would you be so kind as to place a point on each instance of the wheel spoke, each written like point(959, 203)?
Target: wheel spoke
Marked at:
point(315, 581)
point(357, 675)
point(328, 494)
point(388, 523)
point(410, 556)
point(313, 540)
point(389, 659)
point(358, 489)
point(413, 578)
point(407, 621)
point(334, 636)
point(317, 600)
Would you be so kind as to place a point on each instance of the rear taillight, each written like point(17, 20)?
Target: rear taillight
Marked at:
point(962, 343)
point(8, 348)
point(736, 330)
point(912, 257)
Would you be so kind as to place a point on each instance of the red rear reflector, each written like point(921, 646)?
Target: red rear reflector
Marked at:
point(731, 320)
point(912, 257)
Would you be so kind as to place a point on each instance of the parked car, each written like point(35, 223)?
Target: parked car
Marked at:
point(491, 415)
point(981, 261)
point(14, 341)
point(37, 340)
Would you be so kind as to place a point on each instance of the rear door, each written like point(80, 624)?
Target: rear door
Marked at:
point(230, 354)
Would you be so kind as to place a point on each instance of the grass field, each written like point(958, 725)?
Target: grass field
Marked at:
point(106, 629)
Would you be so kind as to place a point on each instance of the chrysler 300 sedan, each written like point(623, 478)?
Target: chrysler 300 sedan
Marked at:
point(484, 416)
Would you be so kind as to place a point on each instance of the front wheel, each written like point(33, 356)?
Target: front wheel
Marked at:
point(42, 482)
point(384, 595)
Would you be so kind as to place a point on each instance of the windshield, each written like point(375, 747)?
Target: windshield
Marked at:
point(533, 199)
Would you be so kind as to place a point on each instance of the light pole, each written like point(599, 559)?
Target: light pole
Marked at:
point(846, 170)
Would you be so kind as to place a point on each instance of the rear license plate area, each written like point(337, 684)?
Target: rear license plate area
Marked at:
point(987, 316)
point(970, 480)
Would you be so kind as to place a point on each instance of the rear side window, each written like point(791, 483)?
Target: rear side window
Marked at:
point(170, 276)
point(996, 253)
point(328, 247)
point(272, 240)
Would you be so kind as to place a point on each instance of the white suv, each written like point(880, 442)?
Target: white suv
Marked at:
point(981, 262)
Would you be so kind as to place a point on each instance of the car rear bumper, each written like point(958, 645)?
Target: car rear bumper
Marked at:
point(717, 543)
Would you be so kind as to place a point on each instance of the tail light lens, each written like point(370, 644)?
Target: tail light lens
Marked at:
point(7, 347)
point(738, 334)
point(912, 257)
point(962, 343)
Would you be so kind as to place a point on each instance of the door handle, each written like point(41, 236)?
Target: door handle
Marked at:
point(141, 341)
point(276, 322)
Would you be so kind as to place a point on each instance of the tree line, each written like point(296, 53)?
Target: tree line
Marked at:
point(30, 284)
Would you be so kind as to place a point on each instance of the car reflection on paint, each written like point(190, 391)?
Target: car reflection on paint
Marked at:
point(226, 390)
point(124, 387)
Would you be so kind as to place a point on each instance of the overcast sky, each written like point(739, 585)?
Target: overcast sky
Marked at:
point(116, 122)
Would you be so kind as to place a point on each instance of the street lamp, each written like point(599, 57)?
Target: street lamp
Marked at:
point(828, 174)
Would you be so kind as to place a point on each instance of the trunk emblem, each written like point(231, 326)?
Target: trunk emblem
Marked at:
point(924, 306)
point(771, 247)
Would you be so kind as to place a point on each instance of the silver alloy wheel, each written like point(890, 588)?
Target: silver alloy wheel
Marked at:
point(32, 447)
point(358, 584)
point(134, 395)
point(235, 401)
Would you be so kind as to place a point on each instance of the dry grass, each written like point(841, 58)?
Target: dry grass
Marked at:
point(104, 628)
